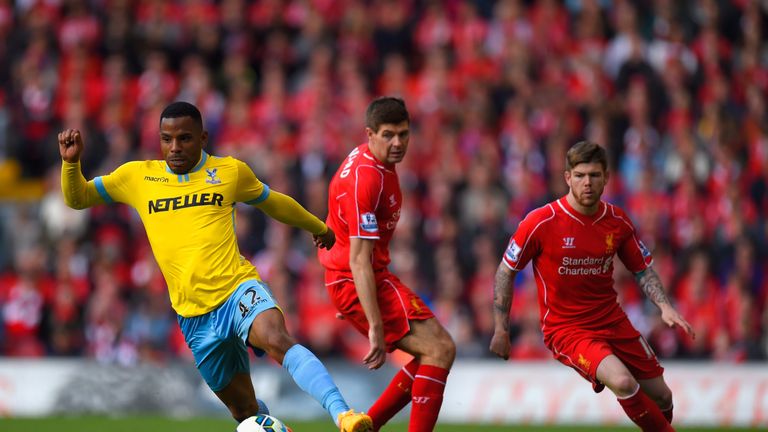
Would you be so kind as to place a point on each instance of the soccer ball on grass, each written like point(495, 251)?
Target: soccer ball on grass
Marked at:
point(262, 423)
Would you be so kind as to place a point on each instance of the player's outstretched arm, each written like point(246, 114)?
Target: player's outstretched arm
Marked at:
point(78, 193)
point(285, 209)
point(70, 145)
point(503, 286)
point(650, 283)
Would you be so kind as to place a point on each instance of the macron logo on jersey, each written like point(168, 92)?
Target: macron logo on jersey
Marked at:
point(156, 179)
point(513, 251)
point(368, 223)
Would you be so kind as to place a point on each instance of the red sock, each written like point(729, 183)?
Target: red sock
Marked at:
point(428, 388)
point(668, 414)
point(645, 413)
point(395, 396)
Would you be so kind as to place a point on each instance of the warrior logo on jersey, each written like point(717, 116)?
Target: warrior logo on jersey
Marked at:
point(368, 222)
point(513, 251)
point(212, 179)
point(609, 243)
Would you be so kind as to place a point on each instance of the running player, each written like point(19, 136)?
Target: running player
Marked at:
point(187, 205)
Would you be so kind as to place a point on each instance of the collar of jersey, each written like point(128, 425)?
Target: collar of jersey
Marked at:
point(581, 216)
point(197, 167)
point(369, 154)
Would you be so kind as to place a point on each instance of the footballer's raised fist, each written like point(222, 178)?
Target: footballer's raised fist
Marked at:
point(70, 145)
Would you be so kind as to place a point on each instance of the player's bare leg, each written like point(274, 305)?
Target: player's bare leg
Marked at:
point(638, 406)
point(239, 397)
point(430, 343)
point(268, 332)
point(660, 394)
point(612, 372)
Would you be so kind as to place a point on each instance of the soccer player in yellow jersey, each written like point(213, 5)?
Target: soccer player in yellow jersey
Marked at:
point(187, 205)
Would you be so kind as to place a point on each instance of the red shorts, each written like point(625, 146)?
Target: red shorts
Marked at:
point(583, 350)
point(397, 303)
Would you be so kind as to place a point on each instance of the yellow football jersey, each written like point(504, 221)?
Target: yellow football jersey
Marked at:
point(189, 220)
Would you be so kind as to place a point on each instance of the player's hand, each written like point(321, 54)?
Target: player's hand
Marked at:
point(378, 353)
point(672, 318)
point(326, 240)
point(70, 145)
point(500, 344)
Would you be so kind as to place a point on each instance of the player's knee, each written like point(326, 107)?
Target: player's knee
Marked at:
point(277, 343)
point(448, 349)
point(243, 410)
point(443, 350)
point(268, 333)
point(624, 385)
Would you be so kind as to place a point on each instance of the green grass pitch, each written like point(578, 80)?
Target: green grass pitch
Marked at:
point(158, 424)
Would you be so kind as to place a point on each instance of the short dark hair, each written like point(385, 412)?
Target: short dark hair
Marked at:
point(586, 152)
point(386, 110)
point(182, 109)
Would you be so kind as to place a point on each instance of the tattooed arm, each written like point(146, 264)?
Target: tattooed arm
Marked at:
point(503, 288)
point(650, 283)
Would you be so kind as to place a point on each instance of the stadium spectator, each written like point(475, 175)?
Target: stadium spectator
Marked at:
point(707, 65)
point(572, 243)
point(29, 288)
point(699, 298)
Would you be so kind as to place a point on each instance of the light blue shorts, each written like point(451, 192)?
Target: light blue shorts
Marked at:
point(218, 339)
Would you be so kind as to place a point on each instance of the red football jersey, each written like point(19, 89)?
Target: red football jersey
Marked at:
point(364, 200)
point(572, 258)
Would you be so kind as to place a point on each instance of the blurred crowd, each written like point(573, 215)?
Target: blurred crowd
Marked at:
point(497, 89)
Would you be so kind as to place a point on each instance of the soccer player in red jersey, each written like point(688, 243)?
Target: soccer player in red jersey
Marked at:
point(364, 202)
point(572, 242)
